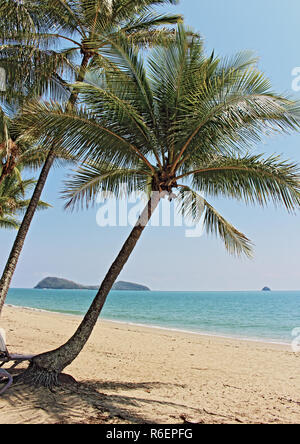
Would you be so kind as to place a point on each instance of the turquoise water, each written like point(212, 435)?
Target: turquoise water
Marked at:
point(255, 315)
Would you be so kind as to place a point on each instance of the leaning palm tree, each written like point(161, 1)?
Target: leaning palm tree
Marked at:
point(84, 30)
point(181, 128)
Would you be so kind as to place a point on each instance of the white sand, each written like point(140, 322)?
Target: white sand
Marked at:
point(132, 374)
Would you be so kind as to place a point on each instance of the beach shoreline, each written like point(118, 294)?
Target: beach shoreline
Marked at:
point(159, 327)
point(141, 374)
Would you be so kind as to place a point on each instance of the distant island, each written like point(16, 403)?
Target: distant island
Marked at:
point(122, 285)
point(54, 283)
point(266, 289)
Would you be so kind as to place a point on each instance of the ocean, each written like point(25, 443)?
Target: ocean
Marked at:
point(264, 316)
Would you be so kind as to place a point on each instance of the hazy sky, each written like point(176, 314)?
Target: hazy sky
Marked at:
point(73, 246)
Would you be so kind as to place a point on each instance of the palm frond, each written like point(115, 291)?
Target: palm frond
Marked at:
point(232, 115)
point(91, 179)
point(80, 133)
point(193, 205)
point(251, 179)
point(13, 201)
point(9, 223)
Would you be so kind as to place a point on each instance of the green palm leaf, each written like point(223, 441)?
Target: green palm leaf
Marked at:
point(9, 223)
point(92, 179)
point(13, 201)
point(251, 179)
point(194, 206)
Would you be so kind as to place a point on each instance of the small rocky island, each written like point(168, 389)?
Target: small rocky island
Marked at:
point(266, 289)
point(54, 283)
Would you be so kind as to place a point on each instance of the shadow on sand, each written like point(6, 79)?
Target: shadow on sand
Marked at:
point(84, 402)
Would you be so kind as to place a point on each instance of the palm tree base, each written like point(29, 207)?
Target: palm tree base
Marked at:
point(40, 377)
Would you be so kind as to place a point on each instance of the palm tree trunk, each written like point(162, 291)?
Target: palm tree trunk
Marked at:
point(2, 177)
point(12, 261)
point(45, 368)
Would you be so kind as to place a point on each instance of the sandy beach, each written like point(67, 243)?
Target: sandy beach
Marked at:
point(132, 374)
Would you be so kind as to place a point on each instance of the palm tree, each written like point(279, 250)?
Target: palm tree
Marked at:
point(84, 29)
point(13, 201)
point(180, 129)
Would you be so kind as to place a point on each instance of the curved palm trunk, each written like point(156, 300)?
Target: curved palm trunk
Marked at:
point(24, 228)
point(45, 368)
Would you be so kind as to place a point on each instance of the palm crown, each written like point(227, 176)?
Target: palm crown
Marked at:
point(186, 123)
point(41, 42)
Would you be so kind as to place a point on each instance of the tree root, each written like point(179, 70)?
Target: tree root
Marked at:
point(39, 377)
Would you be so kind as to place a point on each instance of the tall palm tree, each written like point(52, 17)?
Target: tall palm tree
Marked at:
point(84, 30)
point(182, 128)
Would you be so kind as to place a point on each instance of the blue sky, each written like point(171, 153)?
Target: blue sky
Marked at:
point(73, 246)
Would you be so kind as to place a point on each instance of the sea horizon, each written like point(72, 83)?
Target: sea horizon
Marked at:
point(165, 291)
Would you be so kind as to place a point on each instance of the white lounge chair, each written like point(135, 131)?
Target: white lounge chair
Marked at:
point(6, 357)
